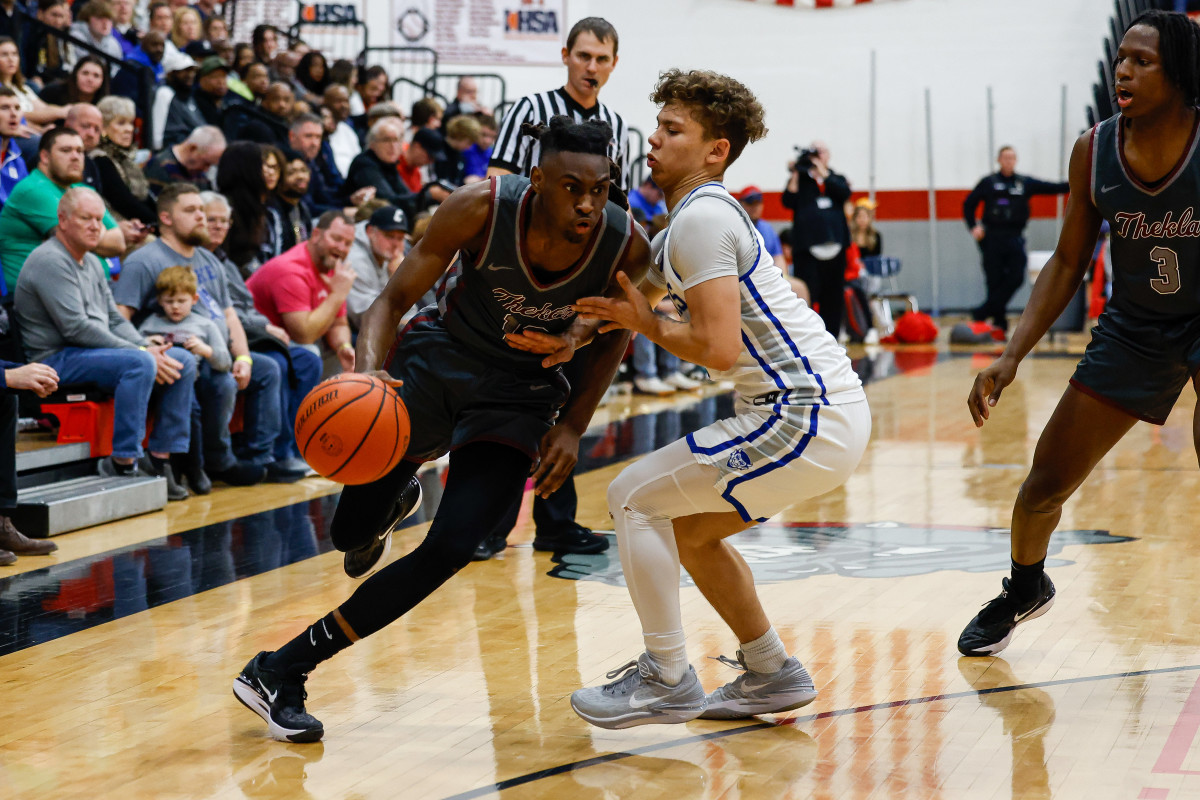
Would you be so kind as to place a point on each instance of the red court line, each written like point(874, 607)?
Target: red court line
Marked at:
point(1170, 761)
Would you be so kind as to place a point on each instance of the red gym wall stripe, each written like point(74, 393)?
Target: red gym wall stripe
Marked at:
point(911, 205)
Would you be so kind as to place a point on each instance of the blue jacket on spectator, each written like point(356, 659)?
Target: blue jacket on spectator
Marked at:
point(325, 183)
point(12, 168)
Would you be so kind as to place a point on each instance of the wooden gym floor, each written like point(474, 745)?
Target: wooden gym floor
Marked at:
point(117, 653)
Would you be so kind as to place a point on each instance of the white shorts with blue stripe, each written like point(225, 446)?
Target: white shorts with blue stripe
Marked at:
point(769, 458)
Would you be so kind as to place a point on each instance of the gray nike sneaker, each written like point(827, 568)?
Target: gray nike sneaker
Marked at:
point(638, 696)
point(759, 693)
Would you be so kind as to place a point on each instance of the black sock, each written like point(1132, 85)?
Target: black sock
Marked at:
point(321, 641)
point(1026, 580)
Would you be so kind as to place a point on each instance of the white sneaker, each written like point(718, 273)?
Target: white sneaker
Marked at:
point(757, 693)
point(654, 385)
point(681, 382)
point(638, 696)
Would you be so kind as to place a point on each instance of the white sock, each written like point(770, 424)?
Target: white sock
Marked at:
point(765, 654)
point(670, 658)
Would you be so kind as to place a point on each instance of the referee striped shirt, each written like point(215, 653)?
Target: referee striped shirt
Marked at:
point(519, 154)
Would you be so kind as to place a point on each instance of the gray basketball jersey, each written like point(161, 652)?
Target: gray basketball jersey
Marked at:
point(497, 291)
point(1155, 229)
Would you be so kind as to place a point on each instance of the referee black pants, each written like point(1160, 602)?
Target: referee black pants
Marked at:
point(1004, 265)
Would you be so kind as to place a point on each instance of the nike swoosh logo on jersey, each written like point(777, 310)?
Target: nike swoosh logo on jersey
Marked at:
point(497, 267)
point(270, 695)
point(538, 387)
point(1109, 188)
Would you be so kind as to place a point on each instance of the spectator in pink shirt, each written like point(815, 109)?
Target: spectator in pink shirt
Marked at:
point(303, 290)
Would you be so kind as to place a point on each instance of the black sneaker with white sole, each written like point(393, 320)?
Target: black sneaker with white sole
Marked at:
point(366, 560)
point(279, 699)
point(570, 538)
point(992, 629)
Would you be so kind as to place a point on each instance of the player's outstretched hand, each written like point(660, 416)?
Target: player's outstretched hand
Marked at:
point(989, 383)
point(558, 451)
point(557, 349)
point(632, 311)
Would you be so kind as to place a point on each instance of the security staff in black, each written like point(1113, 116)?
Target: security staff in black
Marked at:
point(476, 386)
point(1000, 233)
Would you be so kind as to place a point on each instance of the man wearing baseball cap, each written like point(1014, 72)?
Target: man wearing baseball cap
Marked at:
point(179, 73)
point(751, 199)
point(378, 249)
point(208, 94)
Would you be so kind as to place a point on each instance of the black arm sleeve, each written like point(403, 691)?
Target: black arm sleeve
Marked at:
point(117, 193)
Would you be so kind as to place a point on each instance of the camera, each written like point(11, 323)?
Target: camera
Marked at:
point(805, 156)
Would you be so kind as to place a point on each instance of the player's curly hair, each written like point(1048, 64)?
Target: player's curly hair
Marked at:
point(725, 107)
point(564, 135)
point(1179, 49)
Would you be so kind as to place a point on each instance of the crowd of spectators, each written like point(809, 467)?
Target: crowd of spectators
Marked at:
point(214, 238)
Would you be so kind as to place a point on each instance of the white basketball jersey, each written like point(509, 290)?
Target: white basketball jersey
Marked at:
point(787, 356)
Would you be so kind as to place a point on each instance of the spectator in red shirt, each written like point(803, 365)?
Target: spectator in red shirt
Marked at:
point(303, 290)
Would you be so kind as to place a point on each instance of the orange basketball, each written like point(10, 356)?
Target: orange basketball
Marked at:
point(352, 428)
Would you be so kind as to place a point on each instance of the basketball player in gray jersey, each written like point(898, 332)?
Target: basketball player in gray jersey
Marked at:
point(475, 386)
point(1140, 171)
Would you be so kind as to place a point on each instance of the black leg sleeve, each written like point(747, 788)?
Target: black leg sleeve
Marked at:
point(482, 482)
point(363, 511)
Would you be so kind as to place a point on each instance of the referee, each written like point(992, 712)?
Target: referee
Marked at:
point(590, 57)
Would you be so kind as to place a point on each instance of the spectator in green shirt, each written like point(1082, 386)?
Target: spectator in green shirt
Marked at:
point(31, 212)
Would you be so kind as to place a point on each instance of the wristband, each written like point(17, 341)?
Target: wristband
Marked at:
point(247, 359)
point(344, 345)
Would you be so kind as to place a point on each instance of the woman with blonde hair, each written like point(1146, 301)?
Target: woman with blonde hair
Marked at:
point(862, 229)
point(125, 187)
point(187, 28)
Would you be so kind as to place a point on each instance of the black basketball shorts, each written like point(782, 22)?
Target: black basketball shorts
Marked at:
point(454, 397)
point(1137, 365)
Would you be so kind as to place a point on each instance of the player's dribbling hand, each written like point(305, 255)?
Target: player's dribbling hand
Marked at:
point(558, 452)
point(989, 383)
point(632, 312)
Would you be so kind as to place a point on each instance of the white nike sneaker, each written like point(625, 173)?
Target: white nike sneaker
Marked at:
point(653, 385)
point(760, 693)
point(639, 697)
point(681, 382)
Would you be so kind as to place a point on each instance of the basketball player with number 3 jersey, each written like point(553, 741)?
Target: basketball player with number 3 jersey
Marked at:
point(1140, 171)
point(801, 425)
point(481, 380)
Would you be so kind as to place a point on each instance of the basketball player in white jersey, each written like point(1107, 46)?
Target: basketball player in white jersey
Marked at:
point(801, 423)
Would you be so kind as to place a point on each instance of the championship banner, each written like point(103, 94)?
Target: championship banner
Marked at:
point(528, 32)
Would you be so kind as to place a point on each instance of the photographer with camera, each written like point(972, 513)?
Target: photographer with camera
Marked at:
point(817, 196)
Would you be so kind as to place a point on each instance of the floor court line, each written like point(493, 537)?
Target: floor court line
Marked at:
point(575, 766)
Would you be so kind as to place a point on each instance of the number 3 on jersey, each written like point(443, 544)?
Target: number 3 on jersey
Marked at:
point(1168, 270)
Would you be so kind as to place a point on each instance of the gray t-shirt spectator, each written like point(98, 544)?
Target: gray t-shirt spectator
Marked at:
point(239, 294)
point(191, 325)
point(61, 303)
point(370, 278)
point(139, 272)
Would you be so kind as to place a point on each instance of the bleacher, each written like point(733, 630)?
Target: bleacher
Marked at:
point(59, 488)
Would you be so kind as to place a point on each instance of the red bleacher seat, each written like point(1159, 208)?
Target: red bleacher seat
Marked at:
point(83, 420)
